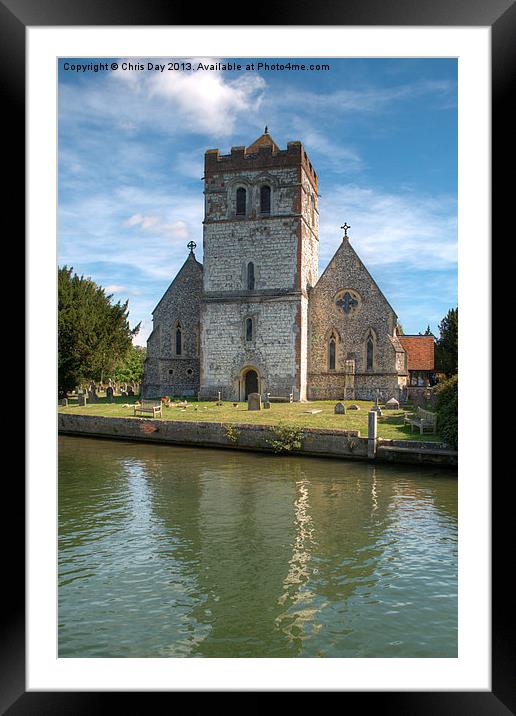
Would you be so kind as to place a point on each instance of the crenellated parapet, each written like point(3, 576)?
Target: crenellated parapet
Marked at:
point(259, 157)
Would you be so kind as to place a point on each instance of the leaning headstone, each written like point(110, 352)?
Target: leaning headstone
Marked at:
point(109, 393)
point(82, 399)
point(254, 401)
point(354, 407)
point(392, 404)
point(340, 409)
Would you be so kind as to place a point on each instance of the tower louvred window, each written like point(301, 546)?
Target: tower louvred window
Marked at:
point(265, 199)
point(241, 197)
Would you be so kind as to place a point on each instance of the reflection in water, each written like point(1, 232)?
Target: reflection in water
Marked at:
point(301, 612)
point(167, 551)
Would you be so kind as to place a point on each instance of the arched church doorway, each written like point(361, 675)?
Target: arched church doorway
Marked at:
point(250, 383)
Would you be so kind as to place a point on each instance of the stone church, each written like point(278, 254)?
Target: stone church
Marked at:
point(256, 317)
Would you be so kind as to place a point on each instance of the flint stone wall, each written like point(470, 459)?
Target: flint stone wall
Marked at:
point(180, 303)
point(371, 314)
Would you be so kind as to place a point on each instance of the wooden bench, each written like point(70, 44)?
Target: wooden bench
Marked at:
point(281, 398)
point(149, 406)
point(421, 419)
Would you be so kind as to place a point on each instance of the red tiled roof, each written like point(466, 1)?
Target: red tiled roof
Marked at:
point(420, 351)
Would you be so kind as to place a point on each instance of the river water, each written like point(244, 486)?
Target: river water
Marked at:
point(169, 552)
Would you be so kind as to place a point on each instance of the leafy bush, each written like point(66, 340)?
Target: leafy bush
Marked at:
point(288, 438)
point(232, 433)
point(448, 410)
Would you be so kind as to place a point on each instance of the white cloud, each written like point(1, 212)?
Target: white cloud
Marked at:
point(340, 158)
point(368, 100)
point(145, 222)
point(408, 230)
point(193, 101)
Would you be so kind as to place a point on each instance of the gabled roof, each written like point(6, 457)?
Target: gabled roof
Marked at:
point(191, 264)
point(420, 350)
point(345, 247)
point(265, 140)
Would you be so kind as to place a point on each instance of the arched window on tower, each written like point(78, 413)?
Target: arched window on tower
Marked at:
point(241, 196)
point(332, 352)
point(369, 352)
point(179, 340)
point(249, 329)
point(265, 199)
point(250, 276)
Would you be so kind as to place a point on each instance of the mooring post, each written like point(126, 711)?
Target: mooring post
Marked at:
point(372, 433)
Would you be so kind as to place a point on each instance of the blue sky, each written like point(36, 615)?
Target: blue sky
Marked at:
point(381, 134)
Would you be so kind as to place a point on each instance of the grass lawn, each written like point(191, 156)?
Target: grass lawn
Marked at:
point(390, 425)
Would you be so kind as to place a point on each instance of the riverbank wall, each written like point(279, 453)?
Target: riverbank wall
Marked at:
point(315, 442)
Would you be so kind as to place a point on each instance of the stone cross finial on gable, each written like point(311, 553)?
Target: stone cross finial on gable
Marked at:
point(266, 130)
point(346, 226)
point(191, 245)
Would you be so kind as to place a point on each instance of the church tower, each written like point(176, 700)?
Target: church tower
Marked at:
point(260, 261)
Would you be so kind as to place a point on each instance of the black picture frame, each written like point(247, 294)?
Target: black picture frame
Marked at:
point(15, 17)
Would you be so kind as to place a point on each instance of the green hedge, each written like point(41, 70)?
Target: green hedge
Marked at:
point(448, 410)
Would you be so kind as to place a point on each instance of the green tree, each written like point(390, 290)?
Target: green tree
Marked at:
point(428, 332)
point(93, 333)
point(447, 345)
point(448, 410)
point(130, 368)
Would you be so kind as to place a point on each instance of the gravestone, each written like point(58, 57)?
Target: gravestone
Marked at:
point(109, 394)
point(254, 401)
point(266, 405)
point(340, 409)
point(130, 390)
point(82, 399)
point(392, 404)
point(92, 393)
point(63, 402)
point(354, 407)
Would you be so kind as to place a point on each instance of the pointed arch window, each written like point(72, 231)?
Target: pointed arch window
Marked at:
point(369, 352)
point(178, 335)
point(265, 199)
point(250, 276)
point(249, 329)
point(332, 352)
point(241, 199)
